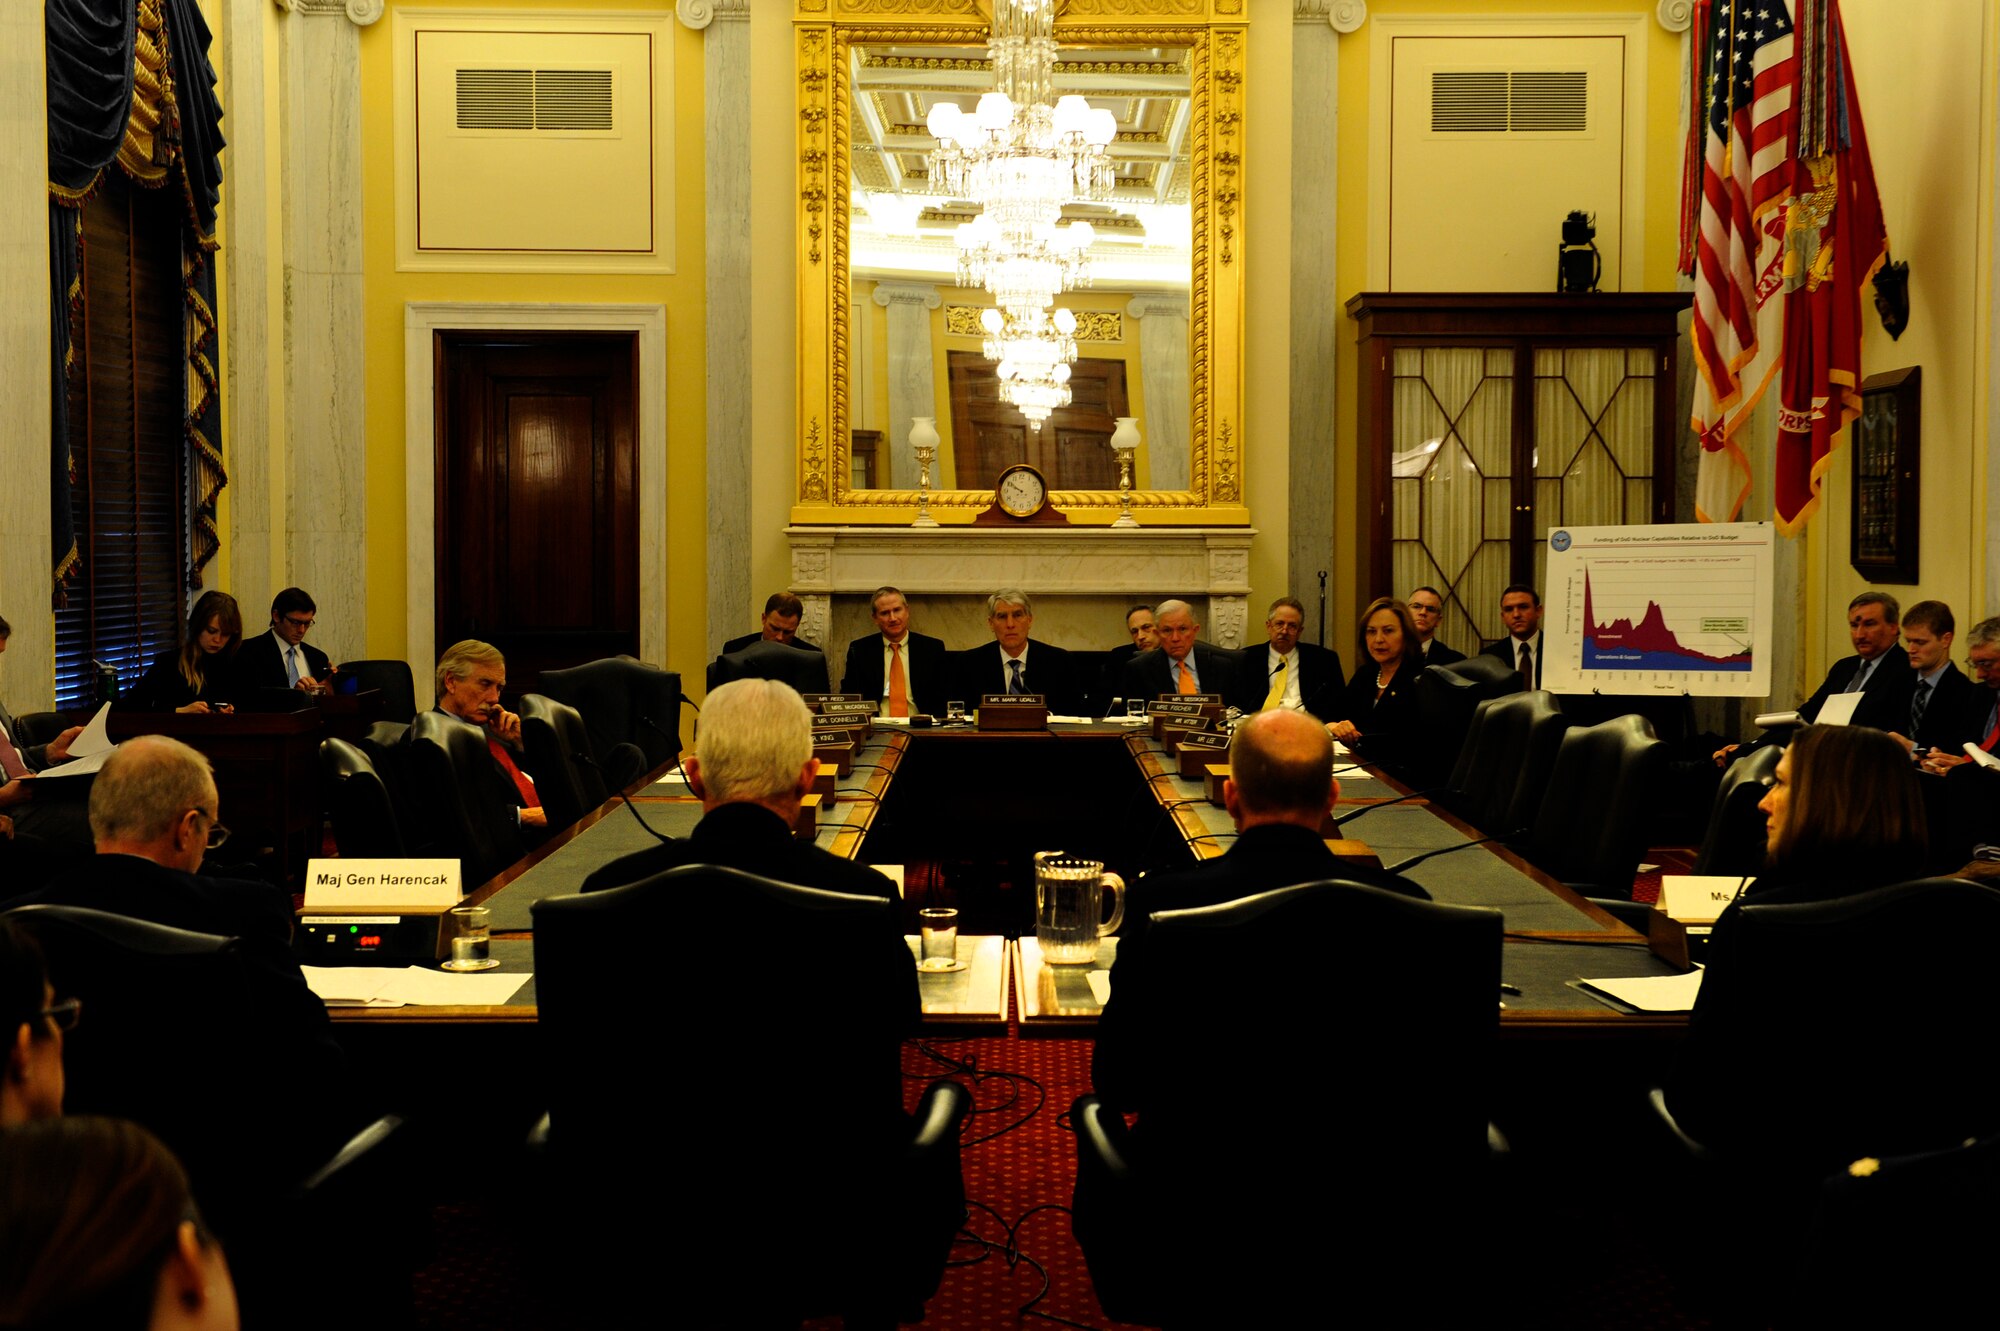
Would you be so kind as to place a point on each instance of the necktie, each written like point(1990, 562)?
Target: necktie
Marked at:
point(1185, 682)
point(1860, 680)
point(526, 787)
point(1992, 731)
point(1528, 664)
point(1276, 697)
point(11, 765)
point(1015, 684)
point(292, 664)
point(899, 685)
point(1918, 701)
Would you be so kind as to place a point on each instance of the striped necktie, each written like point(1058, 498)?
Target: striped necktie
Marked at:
point(1918, 701)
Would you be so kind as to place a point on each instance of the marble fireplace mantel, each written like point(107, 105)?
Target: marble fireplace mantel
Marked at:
point(955, 568)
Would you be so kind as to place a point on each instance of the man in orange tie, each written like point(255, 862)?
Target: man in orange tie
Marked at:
point(470, 676)
point(1180, 664)
point(903, 671)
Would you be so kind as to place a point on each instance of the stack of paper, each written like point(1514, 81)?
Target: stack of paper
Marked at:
point(380, 986)
point(87, 751)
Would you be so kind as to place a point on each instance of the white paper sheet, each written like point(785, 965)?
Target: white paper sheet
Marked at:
point(421, 986)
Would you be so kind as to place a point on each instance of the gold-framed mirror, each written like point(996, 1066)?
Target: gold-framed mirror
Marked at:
point(887, 334)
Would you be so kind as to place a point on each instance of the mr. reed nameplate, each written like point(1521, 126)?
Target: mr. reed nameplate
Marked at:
point(816, 702)
point(1013, 711)
point(1199, 748)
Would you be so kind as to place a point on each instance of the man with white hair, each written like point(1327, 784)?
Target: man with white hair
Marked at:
point(753, 764)
point(1180, 664)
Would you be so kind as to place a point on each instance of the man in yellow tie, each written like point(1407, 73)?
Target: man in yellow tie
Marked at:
point(1298, 676)
point(905, 672)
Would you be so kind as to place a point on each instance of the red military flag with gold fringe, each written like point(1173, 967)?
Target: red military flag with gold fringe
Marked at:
point(1835, 241)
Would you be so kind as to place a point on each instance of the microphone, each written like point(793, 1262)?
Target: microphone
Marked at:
point(1347, 818)
point(586, 760)
point(1414, 860)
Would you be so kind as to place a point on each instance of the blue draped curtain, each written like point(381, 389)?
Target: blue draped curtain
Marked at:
point(94, 49)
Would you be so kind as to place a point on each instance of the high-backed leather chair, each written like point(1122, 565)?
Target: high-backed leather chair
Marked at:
point(553, 735)
point(1592, 827)
point(394, 679)
point(623, 701)
point(804, 670)
point(1500, 744)
point(1734, 842)
point(461, 806)
point(1447, 697)
point(362, 809)
point(1311, 1127)
point(810, 1136)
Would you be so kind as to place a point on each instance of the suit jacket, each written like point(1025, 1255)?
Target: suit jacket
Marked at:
point(755, 840)
point(1954, 716)
point(165, 689)
point(1265, 857)
point(1150, 674)
point(52, 826)
point(260, 663)
point(1321, 684)
point(1885, 698)
point(1050, 673)
point(1437, 653)
point(929, 670)
point(36, 756)
point(738, 644)
point(1504, 650)
point(1389, 725)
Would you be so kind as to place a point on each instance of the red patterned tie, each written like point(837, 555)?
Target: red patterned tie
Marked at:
point(529, 799)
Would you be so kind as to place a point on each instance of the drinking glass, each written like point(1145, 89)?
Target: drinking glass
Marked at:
point(471, 935)
point(940, 938)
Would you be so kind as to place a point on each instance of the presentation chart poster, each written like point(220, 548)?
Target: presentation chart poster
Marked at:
point(1674, 609)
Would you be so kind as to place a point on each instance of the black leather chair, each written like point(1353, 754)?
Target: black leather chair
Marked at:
point(1828, 1031)
point(553, 735)
point(460, 806)
point(1447, 698)
point(394, 679)
point(362, 810)
point(623, 701)
point(1508, 735)
point(1594, 821)
point(1312, 1127)
point(810, 1138)
point(179, 1033)
point(1734, 842)
point(1546, 726)
point(39, 727)
point(804, 670)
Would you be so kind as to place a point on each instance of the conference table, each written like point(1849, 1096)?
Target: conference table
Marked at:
point(1065, 792)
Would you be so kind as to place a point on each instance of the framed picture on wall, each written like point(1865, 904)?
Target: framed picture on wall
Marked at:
point(1885, 447)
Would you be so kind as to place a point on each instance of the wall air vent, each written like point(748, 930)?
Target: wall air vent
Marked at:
point(1533, 101)
point(534, 99)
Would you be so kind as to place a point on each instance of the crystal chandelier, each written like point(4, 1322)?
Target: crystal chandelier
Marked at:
point(1021, 155)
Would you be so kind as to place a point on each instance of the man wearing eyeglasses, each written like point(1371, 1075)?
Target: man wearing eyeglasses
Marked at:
point(282, 658)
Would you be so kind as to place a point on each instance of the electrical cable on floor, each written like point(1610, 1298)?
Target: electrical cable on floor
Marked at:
point(969, 1068)
point(1010, 1253)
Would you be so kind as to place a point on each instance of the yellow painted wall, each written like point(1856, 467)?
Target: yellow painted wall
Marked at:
point(1932, 139)
point(682, 293)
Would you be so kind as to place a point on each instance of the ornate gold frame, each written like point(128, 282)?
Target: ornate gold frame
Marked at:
point(1214, 32)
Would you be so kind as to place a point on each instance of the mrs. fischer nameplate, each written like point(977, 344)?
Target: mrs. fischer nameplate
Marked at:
point(1013, 711)
point(1184, 713)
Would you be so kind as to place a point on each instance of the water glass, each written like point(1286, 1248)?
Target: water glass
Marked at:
point(1135, 709)
point(954, 710)
point(471, 929)
point(939, 925)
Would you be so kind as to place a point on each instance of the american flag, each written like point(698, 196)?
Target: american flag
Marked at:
point(1746, 178)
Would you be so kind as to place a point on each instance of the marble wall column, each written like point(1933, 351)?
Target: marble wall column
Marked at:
point(253, 548)
point(28, 670)
point(912, 371)
point(1316, 305)
point(725, 29)
point(319, 115)
point(1166, 385)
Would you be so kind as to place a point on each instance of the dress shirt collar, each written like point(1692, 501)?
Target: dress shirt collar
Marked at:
point(1935, 673)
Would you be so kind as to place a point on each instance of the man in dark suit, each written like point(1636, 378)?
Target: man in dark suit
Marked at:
point(52, 827)
point(1521, 612)
point(282, 658)
point(470, 676)
point(1299, 676)
point(780, 624)
point(904, 671)
point(1427, 612)
point(1942, 699)
point(1144, 635)
point(1879, 671)
point(1015, 663)
point(1180, 664)
point(154, 813)
point(752, 765)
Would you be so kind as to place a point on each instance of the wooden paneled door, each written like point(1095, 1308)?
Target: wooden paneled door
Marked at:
point(537, 497)
point(1072, 450)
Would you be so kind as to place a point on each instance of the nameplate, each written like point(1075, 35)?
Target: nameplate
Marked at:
point(826, 780)
point(857, 713)
point(1197, 750)
point(1176, 707)
point(838, 756)
point(1352, 852)
point(1204, 699)
point(807, 826)
point(1213, 776)
point(1182, 714)
point(1013, 711)
point(1698, 898)
point(384, 886)
point(817, 701)
point(837, 730)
